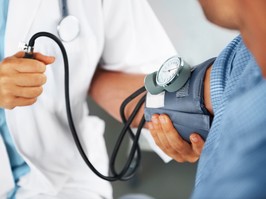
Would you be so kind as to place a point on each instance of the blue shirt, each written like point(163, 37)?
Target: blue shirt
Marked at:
point(18, 165)
point(232, 164)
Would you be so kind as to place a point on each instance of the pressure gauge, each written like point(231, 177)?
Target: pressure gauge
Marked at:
point(172, 75)
point(168, 71)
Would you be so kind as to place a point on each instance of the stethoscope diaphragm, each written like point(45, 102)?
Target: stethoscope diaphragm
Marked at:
point(68, 28)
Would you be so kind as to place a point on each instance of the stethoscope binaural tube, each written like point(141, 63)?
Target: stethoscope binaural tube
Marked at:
point(68, 27)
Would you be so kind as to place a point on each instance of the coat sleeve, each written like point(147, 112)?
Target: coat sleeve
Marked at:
point(135, 41)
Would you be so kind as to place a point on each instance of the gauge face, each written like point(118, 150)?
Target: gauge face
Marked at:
point(168, 71)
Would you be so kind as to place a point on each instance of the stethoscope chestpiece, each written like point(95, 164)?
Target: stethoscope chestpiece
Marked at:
point(68, 28)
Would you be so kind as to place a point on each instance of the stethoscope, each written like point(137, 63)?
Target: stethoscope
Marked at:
point(133, 160)
point(68, 28)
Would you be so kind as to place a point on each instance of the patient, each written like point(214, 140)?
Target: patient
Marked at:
point(233, 156)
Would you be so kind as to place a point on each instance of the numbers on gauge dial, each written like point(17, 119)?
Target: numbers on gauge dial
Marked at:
point(168, 71)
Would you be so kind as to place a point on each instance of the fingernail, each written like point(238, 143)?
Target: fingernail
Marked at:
point(150, 126)
point(155, 120)
point(162, 119)
point(194, 138)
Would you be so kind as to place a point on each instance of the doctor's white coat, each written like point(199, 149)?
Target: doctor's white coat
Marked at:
point(119, 34)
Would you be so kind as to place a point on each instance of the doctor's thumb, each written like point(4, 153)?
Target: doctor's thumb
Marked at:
point(44, 58)
point(38, 56)
point(197, 143)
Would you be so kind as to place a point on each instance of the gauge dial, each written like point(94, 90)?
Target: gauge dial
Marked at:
point(168, 71)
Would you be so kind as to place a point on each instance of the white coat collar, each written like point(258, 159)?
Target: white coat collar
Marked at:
point(19, 20)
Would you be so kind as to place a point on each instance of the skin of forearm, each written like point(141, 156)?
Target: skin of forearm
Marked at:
point(109, 89)
point(207, 90)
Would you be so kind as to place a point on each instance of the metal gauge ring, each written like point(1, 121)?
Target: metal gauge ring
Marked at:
point(172, 75)
point(168, 71)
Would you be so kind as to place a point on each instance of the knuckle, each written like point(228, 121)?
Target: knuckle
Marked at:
point(5, 65)
point(193, 159)
point(18, 61)
point(31, 101)
point(4, 80)
point(197, 151)
point(6, 61)
point(179, 147)
point(5, 93)
point(170, 128)
point(37, 91)
point(32, 92)
point(41, 67)
point(179, 159)
point(163, 149)
point(173, 153)
point(168, 148)
point(16, 64)
point(9, 107)
point(9, 103)
point(157, 142)
point(40, 79)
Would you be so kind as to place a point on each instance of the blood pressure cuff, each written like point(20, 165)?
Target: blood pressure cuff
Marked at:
point(186, 106)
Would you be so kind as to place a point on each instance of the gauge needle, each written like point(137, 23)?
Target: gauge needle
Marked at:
point(169, 70)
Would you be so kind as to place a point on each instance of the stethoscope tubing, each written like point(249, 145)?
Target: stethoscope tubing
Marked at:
point(128, 170)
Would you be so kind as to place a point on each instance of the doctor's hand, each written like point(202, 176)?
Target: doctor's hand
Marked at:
point(21, 79)
point(167, 138)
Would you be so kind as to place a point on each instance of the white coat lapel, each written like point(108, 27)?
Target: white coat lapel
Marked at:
point(19, 20)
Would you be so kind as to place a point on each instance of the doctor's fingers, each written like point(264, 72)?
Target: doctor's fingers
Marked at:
point(158, 133)
point(162, 142)
point(28, 79)
point(14, 65)
point(177, 147)
point(43, 58)
point(160, 138)
point(155, 128)
point(197, 143)
point(37, 56)
point(11, 92)
point(10, 103)
point(22, 65)
point(12, 96)
point(11, 81)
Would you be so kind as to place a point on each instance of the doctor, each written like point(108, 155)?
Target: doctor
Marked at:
point(38, 156)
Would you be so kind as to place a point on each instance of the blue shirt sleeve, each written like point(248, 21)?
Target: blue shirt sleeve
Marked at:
point(241, 158)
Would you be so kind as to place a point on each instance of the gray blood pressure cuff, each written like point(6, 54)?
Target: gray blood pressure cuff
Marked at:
point(186, 106)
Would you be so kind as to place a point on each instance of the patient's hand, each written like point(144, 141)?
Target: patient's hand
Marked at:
point(168, 139)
